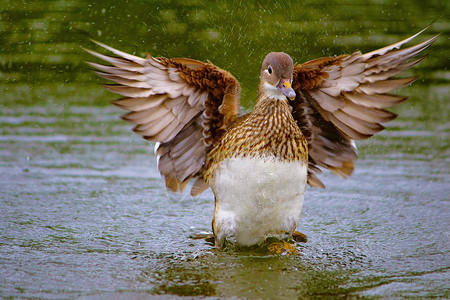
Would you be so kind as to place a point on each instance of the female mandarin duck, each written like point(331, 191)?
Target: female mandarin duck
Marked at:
point(306, 117)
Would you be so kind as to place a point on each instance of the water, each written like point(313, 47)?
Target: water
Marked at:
point(85, 214)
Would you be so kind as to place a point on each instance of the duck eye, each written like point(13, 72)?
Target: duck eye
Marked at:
point(269, 69)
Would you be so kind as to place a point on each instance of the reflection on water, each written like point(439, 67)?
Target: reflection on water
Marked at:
point(251, 276)
point(85, 214)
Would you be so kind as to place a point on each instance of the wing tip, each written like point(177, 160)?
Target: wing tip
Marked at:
point(199, 187)
point(175, 185)
point(398, 45)
point(118, 103)
point(131, 58)
point(408, 81)
point(313, 181)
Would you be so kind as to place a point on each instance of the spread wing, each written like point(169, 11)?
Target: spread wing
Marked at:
point(185, 105)
point(344, 98)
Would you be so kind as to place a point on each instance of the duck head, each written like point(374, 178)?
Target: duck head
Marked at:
point(276, 77)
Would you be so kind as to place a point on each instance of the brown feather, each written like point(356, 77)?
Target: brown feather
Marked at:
point(375, 100)
point(384, 86)
point(138, 104)
point(358, 124)
point(343, 98)
point(165, 97)
point(129, 91)
point(374, 115)
point(199, 187)
point(377, 73)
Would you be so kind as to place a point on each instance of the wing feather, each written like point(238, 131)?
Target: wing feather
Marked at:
point(138, 104)
point(129, 91)
point(341, 99)
point(376, 101)
point(369, 114)
point(381, 73)
point(384, 86)
point(183, 104)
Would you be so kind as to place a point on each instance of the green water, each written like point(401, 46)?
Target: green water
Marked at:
point(84, 213)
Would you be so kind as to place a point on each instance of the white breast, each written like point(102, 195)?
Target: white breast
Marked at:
point(257, 198)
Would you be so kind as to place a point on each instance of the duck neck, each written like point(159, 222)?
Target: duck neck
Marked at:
point(267, 91)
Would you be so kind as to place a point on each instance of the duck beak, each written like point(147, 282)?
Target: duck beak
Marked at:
point(284, 86)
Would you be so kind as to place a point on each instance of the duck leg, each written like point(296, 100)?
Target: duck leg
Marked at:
point(299, 237)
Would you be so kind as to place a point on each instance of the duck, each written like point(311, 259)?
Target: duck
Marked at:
point(307, 118)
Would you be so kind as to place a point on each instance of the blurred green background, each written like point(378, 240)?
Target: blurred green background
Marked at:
point(40, 40)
